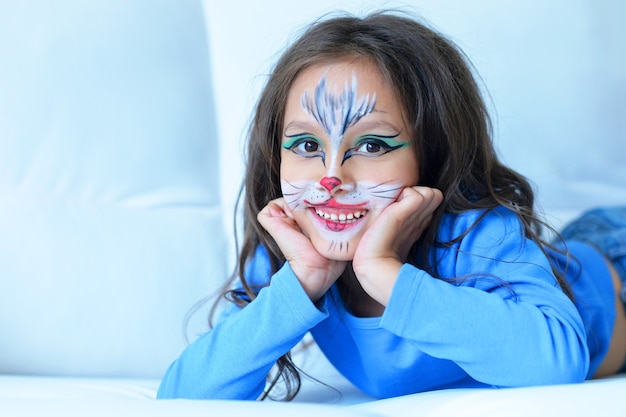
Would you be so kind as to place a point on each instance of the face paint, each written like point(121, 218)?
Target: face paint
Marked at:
point(330, 183)
point(337, 113)
point(338, 164)
point(342, 212)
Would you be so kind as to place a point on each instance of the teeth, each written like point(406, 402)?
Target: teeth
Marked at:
point(342, 217)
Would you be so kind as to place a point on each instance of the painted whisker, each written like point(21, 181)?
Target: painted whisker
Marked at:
point(292, 185)
point(342, 248)
point(295, 204)
point(380, 194)
point(389, 190)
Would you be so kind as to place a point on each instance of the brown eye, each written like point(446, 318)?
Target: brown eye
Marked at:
point(305, 145)
point(372, 147)
point(310, 146)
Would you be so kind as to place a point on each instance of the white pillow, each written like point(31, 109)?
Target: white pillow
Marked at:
point(110, 224)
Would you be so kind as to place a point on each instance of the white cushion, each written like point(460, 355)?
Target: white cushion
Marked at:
point(110, 225)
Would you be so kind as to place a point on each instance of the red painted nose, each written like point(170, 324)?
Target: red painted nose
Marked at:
point(330, 183)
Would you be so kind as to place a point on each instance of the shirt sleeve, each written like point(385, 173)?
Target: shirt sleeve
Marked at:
point(502, 319)
point(232, 360)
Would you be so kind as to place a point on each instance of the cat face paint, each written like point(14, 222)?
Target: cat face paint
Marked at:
point(345, 154)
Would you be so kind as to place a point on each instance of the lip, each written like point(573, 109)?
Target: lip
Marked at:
point(338, 220)
point(334, 216)
point(334, 204)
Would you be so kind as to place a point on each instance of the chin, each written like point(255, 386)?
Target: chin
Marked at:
point(331, 239)
point(336, 250)
point(339, 256)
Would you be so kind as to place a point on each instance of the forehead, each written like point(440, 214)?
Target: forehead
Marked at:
point(338, 76)
point(343, 87)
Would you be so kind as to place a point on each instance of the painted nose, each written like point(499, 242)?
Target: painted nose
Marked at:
point(330, 183)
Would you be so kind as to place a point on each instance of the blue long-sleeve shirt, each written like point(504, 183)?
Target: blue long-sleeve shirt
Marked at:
point(503, 321)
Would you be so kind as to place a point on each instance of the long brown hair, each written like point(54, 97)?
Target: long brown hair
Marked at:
point(451, 129)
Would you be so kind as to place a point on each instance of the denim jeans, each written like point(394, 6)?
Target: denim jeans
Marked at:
point(605, 229)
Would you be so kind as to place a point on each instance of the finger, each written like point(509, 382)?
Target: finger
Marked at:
point(273, 218)
point(432, 195)
point(431, 198)
point(286, 208)
point(419, 201)
point(275, 210)
point(276, 220)
point(420, 204)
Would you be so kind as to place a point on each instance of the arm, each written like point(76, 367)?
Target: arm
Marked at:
point(528, 333)
point(232, 360)
point(496, 341)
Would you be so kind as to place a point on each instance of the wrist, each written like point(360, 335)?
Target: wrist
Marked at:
point(314, 281)
point(378, 276)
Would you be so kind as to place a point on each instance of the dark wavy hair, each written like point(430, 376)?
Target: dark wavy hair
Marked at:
point(450, 125)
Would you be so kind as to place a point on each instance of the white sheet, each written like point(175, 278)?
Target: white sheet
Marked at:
point(73, 397)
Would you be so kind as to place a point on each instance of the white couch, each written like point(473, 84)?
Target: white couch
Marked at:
point(112, 220)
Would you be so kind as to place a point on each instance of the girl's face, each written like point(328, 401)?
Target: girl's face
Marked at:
point(346, 153)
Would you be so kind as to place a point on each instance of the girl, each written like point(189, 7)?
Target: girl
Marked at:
point(378, 218)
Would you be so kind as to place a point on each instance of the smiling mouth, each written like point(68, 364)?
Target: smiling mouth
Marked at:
point(339, 220)
point(340, 217)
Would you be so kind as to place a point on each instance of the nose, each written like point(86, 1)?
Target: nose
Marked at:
point(330, 183)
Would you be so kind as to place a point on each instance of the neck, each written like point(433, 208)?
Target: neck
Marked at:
point(356, 300)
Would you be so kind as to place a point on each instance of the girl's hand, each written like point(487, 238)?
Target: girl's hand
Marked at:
point(315, 272)
point(385, 246)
